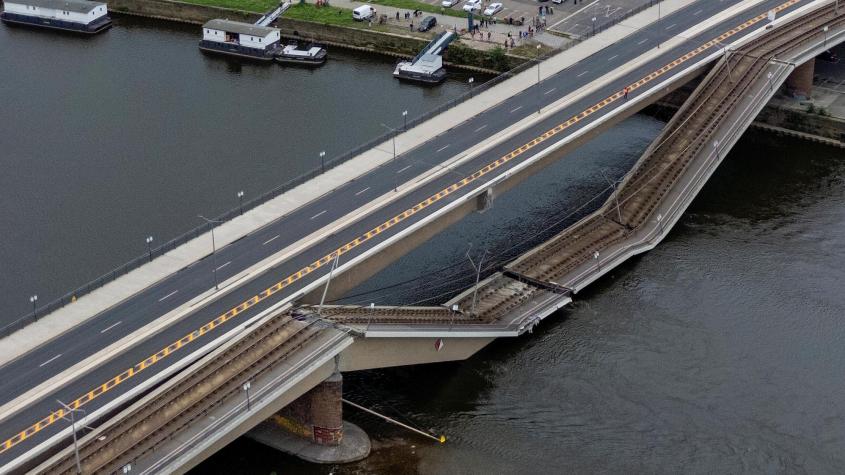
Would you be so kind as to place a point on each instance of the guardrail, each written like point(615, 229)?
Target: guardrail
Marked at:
point(137, 262)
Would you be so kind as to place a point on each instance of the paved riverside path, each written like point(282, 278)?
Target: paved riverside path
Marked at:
point(316, 215)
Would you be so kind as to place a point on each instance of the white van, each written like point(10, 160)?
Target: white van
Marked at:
point(364, 12)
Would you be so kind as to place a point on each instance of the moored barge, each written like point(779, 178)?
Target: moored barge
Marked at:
point(306, 55)
point(241, 39)
point(79, 16)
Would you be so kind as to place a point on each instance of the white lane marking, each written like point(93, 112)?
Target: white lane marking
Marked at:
point(514, 110)
point(267, 242)
point(572, 15)
point(443, 148)
point(110, 326)
point(168, 295)
point(318, 214)
point(585, 72)
point(613, 57)
point(402, 170)
point(49, 361)
point(642, 41)
point(481, 128)
point(697, 13)
point(365, 189)
point(226, 264)
point(550, 91)
point(671, 26)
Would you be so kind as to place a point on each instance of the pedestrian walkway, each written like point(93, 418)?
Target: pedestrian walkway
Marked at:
point(491, 33)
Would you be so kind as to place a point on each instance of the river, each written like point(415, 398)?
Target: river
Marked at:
point(719, 351)
point(134, 132)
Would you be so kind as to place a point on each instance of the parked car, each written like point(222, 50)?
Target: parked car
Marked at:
point(472, 6)
point(364, 12)
point(427, 23)
point(450, 3)
point(557, 2)
point(493, 9)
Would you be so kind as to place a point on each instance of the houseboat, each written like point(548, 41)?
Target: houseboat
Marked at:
point(241, 39)
point(79, 16)
point(307, 55)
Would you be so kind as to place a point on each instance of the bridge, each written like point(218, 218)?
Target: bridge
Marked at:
point(164, 391)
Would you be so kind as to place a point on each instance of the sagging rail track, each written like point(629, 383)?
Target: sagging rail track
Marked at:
point(691, 130)
point(217, 380)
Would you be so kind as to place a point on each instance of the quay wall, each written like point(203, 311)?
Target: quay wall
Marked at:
point(379, 42)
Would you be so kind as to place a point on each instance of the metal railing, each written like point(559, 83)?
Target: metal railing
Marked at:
point(137, 262)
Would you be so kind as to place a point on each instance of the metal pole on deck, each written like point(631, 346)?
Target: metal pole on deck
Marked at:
point(477, 276)
point(73, 431)
point(328, 282)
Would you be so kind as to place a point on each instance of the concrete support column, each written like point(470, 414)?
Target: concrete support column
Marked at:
point(800, 82)
point(318, 414)
point(312, 427)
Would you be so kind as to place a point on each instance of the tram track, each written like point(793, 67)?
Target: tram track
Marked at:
point(641, 191)
point(149, 425)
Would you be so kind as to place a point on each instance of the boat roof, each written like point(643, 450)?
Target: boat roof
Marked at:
point(239, 27)
point(76, 6)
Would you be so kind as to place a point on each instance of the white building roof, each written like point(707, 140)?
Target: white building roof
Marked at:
point(239, 27)
point(76, 6)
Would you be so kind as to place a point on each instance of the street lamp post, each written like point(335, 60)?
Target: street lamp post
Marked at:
point(212, 222)
point(32, 300)
point(594, 26)
point(825, 35)
point(149, 247)
point(241, 200)
point(771, 86)
point(322, 162)
point(716, 147)
point(470, 81)
point(658, 23)
point(393, 160)
point(246, 387)
point(405, 119)
point(596, 257)
point(539, 97)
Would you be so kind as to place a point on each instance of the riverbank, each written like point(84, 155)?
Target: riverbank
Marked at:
point(330, 25)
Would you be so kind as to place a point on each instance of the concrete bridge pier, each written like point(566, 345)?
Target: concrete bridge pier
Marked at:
point(799, 84)
point(312, 427)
